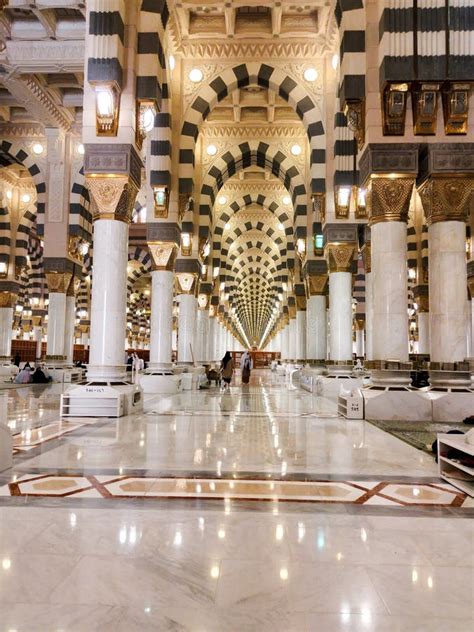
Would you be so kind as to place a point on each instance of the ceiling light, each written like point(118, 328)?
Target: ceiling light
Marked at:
point(211, 150)
point(227, 226)
point(310, 74)
point(196, 75)
point(280, 226)
point(9, 195)
point(38, 149)
point(172, 62)
point(335, 61)
point(222, 200)
point(287, 200)
point(26, 198)
point(296, 150)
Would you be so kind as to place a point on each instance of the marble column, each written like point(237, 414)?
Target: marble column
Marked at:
point(285, 342)
point(38, 336)
point(448, 282)
point(360, 337)
point(446, 202)
point(202, 330)
point(340, 258)
point(58, 282)
point(316, 317)
point(114, 198)
point(6, 324)
point(70, 325)
point(369, 300)
point(292, 339)
point(390, 288)
point(301, 335)
point(187, 317)
point(423, 332)
point(161, 321)
point(212, 335)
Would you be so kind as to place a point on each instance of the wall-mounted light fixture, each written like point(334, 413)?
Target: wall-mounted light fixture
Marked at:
point(343, 202)
point(160, 201)
point(107, 109)
point(146, 111)
point(360, 196)
point(186, 244)
point(3, 269)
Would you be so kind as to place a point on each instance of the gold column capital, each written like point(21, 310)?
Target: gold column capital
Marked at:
point(366, 251)
point(186, 282)
point(8, 299)
point(316, 284)
point(340, 256)
point(163, 254)
point(446, 198)
point(113, 196)
point(58, 282)
point(388, 198)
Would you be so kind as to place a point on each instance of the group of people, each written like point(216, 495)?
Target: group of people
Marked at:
point(227, 369)
point(32, 375)
point(134, 362)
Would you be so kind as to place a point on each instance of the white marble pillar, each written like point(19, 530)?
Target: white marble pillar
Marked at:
point(471, 318)
point(161, 322)
point(316, 328)
point(186, 328)
point(369, 309)
point(469, 329)
point(360, 343)
point(292, 339)
point(447, 283)
point(6, 325)
point(211, 348)
point(285, 342)
point(423, 332)
point(202, 334)
point(109, 301)
point(340, 315)
point(301, 335)
point(56, 324)
point(69, 328)
point(38, 336)
point(390, 290)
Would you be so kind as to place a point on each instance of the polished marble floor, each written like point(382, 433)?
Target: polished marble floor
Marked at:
point(139, 546)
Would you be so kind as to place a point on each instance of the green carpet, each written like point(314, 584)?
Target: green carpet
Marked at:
point(419, 434)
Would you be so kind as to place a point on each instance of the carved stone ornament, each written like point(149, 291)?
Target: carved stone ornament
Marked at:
point(75, 252)
point(301, 303)
point(355, 114)
point(319, 207)
point(317, 284)
point(202, 301)
point(388, 199)
point(340, 257)
point(446, 199)
point(58, 282)
point(367, 257)
point(163, 254)
point(113, 197)
point(8, 299)
point(186, 282)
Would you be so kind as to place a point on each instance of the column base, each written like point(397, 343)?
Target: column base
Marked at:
point(105, 374)
point(159, 367)
point(387, 374)
point(450, 380)
point(339, 367)
point(108, 399)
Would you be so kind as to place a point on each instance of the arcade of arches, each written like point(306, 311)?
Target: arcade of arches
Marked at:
point(182, 179)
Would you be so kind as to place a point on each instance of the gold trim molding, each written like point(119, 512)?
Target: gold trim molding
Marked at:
point(388, 199)
point(446, 198)
point(163, 254)
point(113, 197)
point(340, 256)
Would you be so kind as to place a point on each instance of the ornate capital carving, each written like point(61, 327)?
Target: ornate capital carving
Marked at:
point(354, 109)
point(316, 284)
point(8, 299)
point(367, 257)
point(113, 197)
point(163, 254)
point(446, 198)
point(203, 301)
point(58, 282)
point(388, 199)
point(340, 256)
point(186, 282)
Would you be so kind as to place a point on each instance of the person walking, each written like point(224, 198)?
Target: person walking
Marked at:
point(227, 370)
point(246, 367)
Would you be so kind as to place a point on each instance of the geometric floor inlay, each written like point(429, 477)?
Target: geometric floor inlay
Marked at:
point(357, 492)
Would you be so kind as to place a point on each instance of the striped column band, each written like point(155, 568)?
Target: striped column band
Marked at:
point(151, 64)
point(5, 229)
point(36, 280)
point(359, 287)
point(350, 17)
point(80, 217)
point(160, 150)
point(27, 221)
point(345, 152)
point(396, 41)
point(105, 47)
